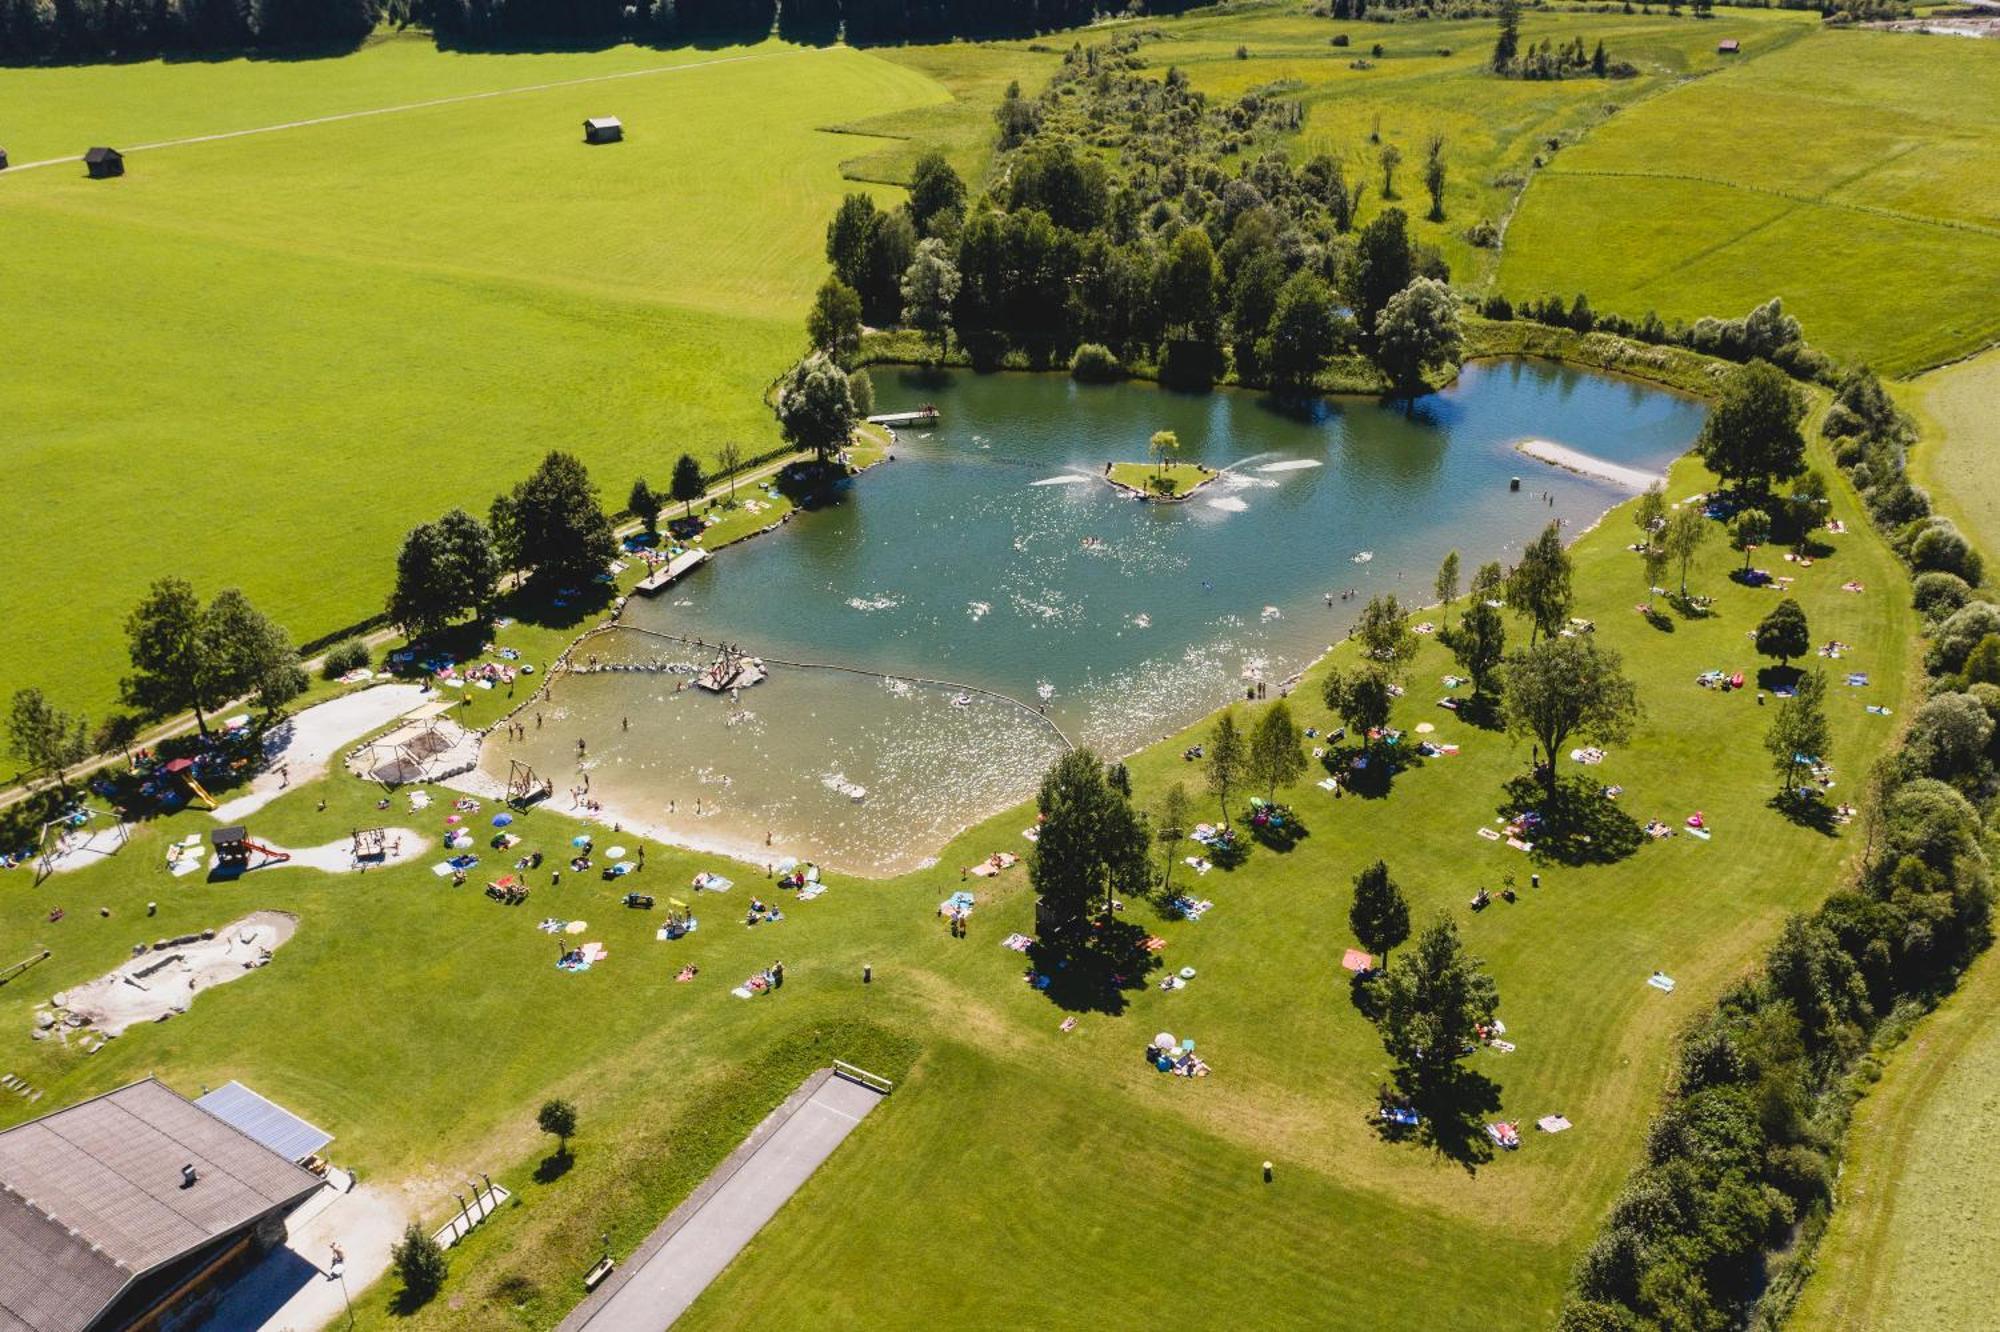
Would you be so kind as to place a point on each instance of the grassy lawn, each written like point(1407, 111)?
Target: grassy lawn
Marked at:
point(1911, 1243)
point(1959, 459)
point(1433, 78)
point(1008, 1139)
point(455, 289)
point(1856, 174)
point(1180, 478)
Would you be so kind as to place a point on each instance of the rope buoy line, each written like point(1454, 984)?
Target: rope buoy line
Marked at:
point(683, 640)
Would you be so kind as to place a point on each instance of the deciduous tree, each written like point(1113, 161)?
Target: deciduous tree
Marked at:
point(1379, 917)
point(1092, 843)
point(1540, 585)
point(1446, 586)
point(1752, 434)
point(1275, 757)
point(688, 484)
point(815, 407)
point(1564, 687)
point(553, 525)
point(930, 286)
point(833, 325)
point(1434, 999)
point(1224, 760)
point(1799, 728)
point(44, 737)
point(1417, 331)
point(1783, 633)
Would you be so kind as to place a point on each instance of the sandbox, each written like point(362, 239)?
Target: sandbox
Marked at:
point(165, 978)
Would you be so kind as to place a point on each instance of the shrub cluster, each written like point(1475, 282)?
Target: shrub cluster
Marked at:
point(1767, 333)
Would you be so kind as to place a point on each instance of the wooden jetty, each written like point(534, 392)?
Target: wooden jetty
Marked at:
point(656, 582)
point(924, 416)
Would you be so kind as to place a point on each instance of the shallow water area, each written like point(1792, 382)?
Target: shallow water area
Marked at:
point(990, 555)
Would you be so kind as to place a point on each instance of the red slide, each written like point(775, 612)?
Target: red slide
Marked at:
point(269, 855)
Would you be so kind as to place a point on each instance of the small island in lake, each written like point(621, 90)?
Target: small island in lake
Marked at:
point(1154, 481)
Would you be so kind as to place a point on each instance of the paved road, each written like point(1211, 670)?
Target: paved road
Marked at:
point(709, 1235)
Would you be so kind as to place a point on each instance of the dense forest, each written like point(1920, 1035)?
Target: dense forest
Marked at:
point(68, 30)
point(1132, 220)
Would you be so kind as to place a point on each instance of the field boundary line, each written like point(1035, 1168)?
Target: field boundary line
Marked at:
point(454, 100)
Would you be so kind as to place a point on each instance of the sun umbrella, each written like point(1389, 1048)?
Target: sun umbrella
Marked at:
point(576, 927)
point(579, 840)
point(502, 820)
point(1425, 728)
point(615, 853)
point(1165, 1040)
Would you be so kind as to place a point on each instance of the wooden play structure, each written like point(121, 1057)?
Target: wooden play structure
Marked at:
point(524, 787)
point(77, 831)
point(183, 769)
point(371, 844)
point(427, 746)
point(233, 849)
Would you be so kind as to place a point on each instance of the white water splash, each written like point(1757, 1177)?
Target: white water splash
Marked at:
point(1271, 613)
point(1228, 504)
point(1142, 621)
point(1066, 479)
point(978, 609)
point(1291, 465)
point(875, 603)
point(1363, 556)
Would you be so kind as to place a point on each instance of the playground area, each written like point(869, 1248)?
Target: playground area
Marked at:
point(427, 747)
point(164, 978)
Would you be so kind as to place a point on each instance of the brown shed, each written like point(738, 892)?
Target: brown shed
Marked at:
point(103, 163)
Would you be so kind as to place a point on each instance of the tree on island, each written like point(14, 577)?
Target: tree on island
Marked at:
point(1799, 729)
point(1784, 633)
point(1224, 760)
point(1539, 587)
point(930, 286)
point(1446, 586)
point(1092, 843)
point(1275, 756)
point(1564, 687)
point(1416, 331)
point(1380, 918)
point(552, 524)
point(644, 505)
point(834, 323)
point(1748, 530)
point(45, 738)
point(1170, 826)
point(1433, 1001)
point(1752, 434)
point(557, 1118)
point(688, 484)
point(444, 569)
point(816, 408)
point(185, 657)
point(1686, 533)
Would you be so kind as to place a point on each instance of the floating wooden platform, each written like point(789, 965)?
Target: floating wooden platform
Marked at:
point(921, 416)
point(656, 582)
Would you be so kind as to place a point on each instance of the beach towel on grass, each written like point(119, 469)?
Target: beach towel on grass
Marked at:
point(1489, 834)
point(1552, 1123)
point(1659, 980)
point(1356, 960)
point(1017, 942)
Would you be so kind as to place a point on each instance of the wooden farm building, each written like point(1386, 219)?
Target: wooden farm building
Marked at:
point(603, 129)
point(104, 162)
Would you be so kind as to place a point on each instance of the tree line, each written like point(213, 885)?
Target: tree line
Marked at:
point(75, 30)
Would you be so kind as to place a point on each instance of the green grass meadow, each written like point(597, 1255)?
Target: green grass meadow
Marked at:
point(1855, 174)
point(1079, 1177)
point(1958, 460)
point(294, 345)
point(1910, 1244)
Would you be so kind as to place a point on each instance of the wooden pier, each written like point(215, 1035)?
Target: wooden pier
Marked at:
point(656, 582)
point(926, 415)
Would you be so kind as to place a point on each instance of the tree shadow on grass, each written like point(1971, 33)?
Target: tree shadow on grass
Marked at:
point(1280, 836)
point(408, 1302)
point(1778, 677)
point(1372, 781)
point(1454, 1108)
point(1804, 808)
point(554, 1166)
point(1579, 824)
point(1095, 967)
point(1659, 619)
point(1481, 711)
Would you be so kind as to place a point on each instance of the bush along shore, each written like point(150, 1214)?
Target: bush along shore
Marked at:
point(1718, 1227)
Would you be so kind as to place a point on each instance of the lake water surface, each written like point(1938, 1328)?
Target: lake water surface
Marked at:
point(990, 554)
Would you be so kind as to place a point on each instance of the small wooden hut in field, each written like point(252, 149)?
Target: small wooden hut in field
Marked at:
point(603, 129)
point(104, 163)
point(3, 159)
point(1728, 46)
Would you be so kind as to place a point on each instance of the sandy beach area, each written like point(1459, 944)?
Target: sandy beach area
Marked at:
point(1583, 464)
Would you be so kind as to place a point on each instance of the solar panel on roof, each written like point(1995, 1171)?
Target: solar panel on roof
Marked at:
point(272, 1125)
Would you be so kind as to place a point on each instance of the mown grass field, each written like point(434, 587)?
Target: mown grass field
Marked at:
point(1959, 458)
point(1026, 1172)
point(258, 361)
point(1433, 78)
point(1910, 1245)
point(1855, 174)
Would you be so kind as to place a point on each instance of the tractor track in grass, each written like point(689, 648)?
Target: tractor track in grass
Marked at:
point(427, 105)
